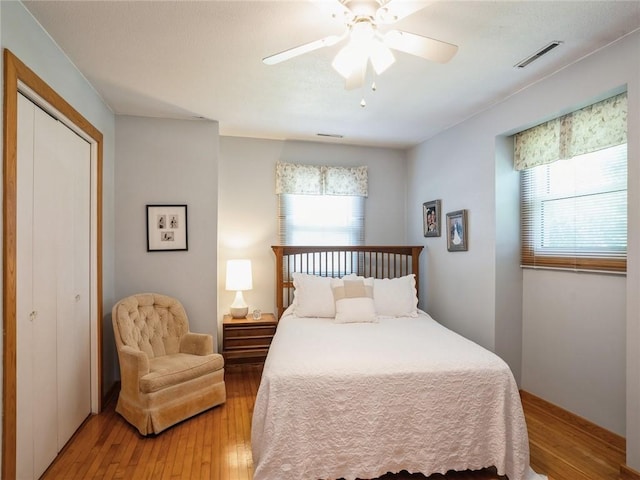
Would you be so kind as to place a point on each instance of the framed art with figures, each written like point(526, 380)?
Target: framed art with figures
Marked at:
point(166, 228)
point(431, 218)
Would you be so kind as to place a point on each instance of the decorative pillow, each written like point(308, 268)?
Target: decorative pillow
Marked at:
point(354, 300)
point(396, 297)
point(313, 296)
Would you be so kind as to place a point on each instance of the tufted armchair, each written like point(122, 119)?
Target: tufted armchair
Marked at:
point(167, 373)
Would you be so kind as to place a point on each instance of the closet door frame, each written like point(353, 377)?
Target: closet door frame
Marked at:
point(19, 78)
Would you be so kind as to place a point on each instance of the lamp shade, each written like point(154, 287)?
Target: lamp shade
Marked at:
point(239, 275)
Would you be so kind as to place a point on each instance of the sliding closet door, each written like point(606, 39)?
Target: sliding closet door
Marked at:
point(46, 283)
point(53, 287)
point(73, 318)
point(26, 389)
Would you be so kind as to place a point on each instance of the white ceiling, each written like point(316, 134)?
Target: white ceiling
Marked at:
point(183, 59)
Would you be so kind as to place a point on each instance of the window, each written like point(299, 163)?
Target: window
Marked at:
point(321, 205)
point(321, 220)
point(575, 212)
point(574, 189)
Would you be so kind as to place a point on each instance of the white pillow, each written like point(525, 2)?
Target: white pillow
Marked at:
point(313, 296)
point(354, 300)
point(396, 297)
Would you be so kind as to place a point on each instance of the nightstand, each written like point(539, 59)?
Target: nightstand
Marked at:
point(245, 340)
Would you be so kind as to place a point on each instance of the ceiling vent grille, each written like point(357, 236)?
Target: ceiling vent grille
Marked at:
point(538, 54)
point(330, 135)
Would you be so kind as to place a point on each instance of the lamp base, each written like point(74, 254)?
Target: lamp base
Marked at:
point(239, 312)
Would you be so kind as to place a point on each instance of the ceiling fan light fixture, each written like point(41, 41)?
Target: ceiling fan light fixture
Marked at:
point(381, 56)
point(362, 31)
point(346, 60)
point(358, 74)
point(363, 46)
point(362, 43)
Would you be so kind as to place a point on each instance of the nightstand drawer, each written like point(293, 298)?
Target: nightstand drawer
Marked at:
point(257, 355)
point(244, 342)
point(248, 331)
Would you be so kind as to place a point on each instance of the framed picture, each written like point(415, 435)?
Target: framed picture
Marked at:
point(457, 231)
point(431, 218)
point(166, 228)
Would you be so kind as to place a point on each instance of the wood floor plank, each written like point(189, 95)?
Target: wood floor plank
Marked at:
point(216, 445)
point(215, 448)
point(196, 459)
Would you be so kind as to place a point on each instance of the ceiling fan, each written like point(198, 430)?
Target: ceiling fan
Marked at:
point(369, 40)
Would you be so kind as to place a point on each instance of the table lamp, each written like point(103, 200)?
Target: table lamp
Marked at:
point(239, 279)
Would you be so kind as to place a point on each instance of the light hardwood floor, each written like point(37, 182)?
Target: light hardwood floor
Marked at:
point(216, 445)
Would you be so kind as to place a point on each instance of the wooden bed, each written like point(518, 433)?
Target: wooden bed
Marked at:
point(386, 391)
point(367, 261)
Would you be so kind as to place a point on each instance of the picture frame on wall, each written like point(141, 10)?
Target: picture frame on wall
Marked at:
point(457, 235)
point(431, 218)
point(166, 228)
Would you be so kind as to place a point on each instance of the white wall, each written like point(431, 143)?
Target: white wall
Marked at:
point(161, 161)
point(458, 289)
point(574, 343)
point(247, 215)
point(20, 33)
point(508, 297)
point(472, 292)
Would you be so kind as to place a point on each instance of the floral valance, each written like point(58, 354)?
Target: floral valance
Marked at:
point(598, 126)
point(299, 179)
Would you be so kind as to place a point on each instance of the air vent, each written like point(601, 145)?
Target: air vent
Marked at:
point(329, 135)
point(538, 54)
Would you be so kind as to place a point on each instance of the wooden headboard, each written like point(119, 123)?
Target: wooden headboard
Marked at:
point(367, 261)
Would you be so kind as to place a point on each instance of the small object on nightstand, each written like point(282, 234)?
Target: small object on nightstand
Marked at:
point(257, 314)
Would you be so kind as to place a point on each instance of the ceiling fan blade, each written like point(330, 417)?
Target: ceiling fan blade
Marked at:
point(425, 47)
point(357, 77)
point(300, 49)
point(393, 10)
point(334, 9)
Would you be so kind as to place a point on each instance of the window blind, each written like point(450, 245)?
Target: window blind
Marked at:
point(574, 212)
point(321, 219)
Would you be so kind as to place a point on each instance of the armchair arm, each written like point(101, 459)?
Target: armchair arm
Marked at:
point(196, 343)
point(134, 364)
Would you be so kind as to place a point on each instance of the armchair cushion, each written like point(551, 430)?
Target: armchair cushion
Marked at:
point(178, 368)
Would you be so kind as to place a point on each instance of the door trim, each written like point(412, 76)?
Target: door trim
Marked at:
point(15, 73)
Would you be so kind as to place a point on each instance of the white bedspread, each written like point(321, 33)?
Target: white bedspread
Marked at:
point(363, 399)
